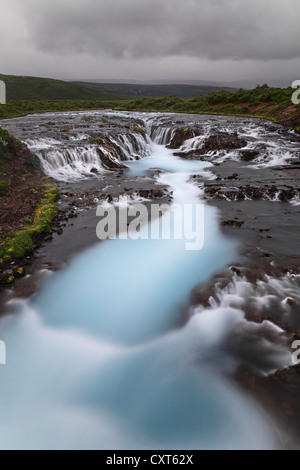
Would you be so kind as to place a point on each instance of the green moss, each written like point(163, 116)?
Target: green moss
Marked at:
point(8, 144)
point(185, 131)
point(86, 118)
point(65, 129)
point(18, 244)
point(20, 271)
point(96, 141)
point(139, 130)
point(31, 162)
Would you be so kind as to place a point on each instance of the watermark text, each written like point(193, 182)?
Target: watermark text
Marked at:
point(296, 94)
point(296, 354)
point(2, 353)
point(156, 222)
point(2, 92)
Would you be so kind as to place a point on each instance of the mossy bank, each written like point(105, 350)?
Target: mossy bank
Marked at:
point(27, 207)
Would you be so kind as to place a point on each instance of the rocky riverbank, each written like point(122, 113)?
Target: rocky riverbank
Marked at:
point(27, 207)
point(259, 205)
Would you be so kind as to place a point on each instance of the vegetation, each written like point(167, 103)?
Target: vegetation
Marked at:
point(140, 90)
point(21, 242)
point(8, 145)
point(264, 102)
point(27, 205)
point(139, 130)
point(15, 108)
point(96, 140)
point(34, 88)
point(270, 103)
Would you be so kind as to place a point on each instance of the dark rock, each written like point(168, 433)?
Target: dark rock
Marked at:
point(223, 141)
point(236, 270)
point(291, 302)
point(248, 155)
point(232, 223)
point(181, 135)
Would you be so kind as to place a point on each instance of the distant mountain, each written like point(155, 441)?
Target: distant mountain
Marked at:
point(34, 88)
point(154, 90)
point(236, 84)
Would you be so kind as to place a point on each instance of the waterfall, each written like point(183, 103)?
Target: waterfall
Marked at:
point(76, 161)
point(162, 135)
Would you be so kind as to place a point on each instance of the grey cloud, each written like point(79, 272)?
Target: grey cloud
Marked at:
point(132, 29)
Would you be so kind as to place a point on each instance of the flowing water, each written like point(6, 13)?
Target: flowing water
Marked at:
point(97, 359)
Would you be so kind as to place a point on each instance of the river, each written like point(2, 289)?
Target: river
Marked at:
point(99, 357)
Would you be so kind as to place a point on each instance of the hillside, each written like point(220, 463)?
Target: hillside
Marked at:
point(265, 102)
point(163, 90)
point(34, 88)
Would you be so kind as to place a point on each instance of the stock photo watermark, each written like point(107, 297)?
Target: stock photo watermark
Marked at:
point(2, 353)
point(296, 94)
point(157, 222)
point(2, 92)
point(296, 354)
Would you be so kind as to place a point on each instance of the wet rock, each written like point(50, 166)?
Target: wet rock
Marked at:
point(223, 141)
point(181, 135)
point(110, 160)
point(236, 270)
point(6, 278)
point(291, 302)
point(248, 155)
point(232, 223)
point(233, 177)
point(153, 193)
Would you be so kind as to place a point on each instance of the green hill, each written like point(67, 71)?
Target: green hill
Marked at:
point(34, 88)
point(164, 90)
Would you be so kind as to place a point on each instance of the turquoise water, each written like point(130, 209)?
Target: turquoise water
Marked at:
point(97, 358)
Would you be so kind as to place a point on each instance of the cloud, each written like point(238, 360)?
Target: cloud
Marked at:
point(151, 39)
point(133, 29)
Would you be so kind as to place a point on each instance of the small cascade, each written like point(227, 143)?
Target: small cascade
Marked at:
point(162, 135)
point(72, 162)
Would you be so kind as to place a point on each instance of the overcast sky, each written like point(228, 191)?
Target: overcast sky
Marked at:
point(219, 40)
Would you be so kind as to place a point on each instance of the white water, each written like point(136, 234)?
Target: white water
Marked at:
point(65, 162)
point(95, 359)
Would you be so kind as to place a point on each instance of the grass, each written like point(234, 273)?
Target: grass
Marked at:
point(35, 88)
point(20, 243)
point(139, 130)
point(262, 102)
point(8, 145)
point(143, 90)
